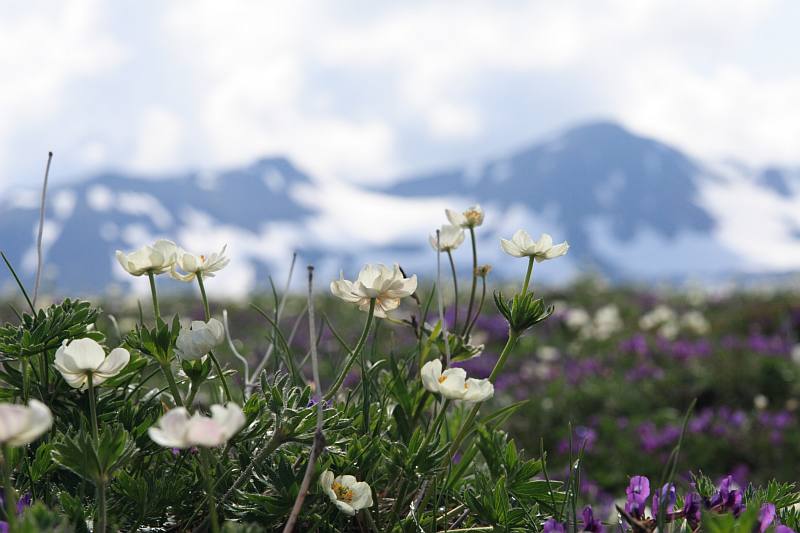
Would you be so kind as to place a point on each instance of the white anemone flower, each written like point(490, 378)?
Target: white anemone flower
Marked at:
point(203, 265)
point(200, 338)
point(522, 245)
point(78, 358)
point(386, 285)
point(450, 238)
point(156, 258)
point(21, 425)
point(453, 383)
point(178, 429)
point(471, 218)
point(348, 494)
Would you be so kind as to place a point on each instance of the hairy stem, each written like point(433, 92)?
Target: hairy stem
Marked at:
point(212, 501)
point(154, 295)
point(527, 276)
point(101, 519)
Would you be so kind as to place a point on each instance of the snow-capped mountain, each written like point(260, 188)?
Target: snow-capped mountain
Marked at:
point(631, 207)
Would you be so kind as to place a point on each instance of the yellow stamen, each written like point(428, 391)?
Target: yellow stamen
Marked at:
point(442, 379)
point(342, 493)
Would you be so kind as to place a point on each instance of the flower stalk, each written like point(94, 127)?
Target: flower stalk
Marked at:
point(212, 501)
point(467, 325)
point(213, 357)
point(154, 295)
point(101, 518)
point(354, 354)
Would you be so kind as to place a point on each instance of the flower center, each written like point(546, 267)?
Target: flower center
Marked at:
point(342, 493)
point(442, 379)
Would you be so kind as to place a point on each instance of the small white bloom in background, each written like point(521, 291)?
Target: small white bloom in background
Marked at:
point(654, 318)
point(577, 318)
point(156, 258)
point(177, 429)
point(200, 338)
point(471, 218)
point(453, 383)
point(761, 402)
point(522, 245)
point(21, 425)
point(78, 358)
point(695, 322)
point(348, 494)
point(386, 285)
point(450, 238)
point(606, 322)
point(192, 265)
point(548, 354)
point(796, 354)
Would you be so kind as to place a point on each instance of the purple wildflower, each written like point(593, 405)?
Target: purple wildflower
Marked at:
point(765, 517)
point(552, 526)
point(668, 493)
point(692, 507)
point(638, 491)
point(783, 529)
point(727, 499)
point(589, 523)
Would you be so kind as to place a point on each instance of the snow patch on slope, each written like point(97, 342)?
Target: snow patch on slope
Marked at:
point(756, 222)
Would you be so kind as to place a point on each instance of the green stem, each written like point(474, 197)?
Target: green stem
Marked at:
point(100, 519)
point(212, 501)
point(203, 295)
point(480, 307)
point(93, 408)
point(154, 295)
point(527, 276)
point(213, 357)
point(455, 289)
point(474, 278)
point(173, 387)
point(465, 427)
point(10, 495)
point(354, 354)
point(23, 368)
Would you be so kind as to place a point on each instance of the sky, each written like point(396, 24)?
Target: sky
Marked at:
point(367, 92)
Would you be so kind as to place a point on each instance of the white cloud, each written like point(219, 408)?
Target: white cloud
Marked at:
point(367, 92)
point(159, 138)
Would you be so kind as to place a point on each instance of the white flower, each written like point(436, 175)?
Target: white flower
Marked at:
point(521, 245)
point(21, 425)
point(193, 265)
point(454, 384)
point(202, 337)
point(470, 218)
point(387, 286)
point(157, 258)
point(78, 358)
point(346, 493)
point(177, 429)
point(450, 238)
point(695, 322)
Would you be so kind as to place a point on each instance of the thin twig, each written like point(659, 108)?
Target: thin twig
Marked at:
point(41, 230)
point(249, 385)
point(239, 356)
point(319, 439)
